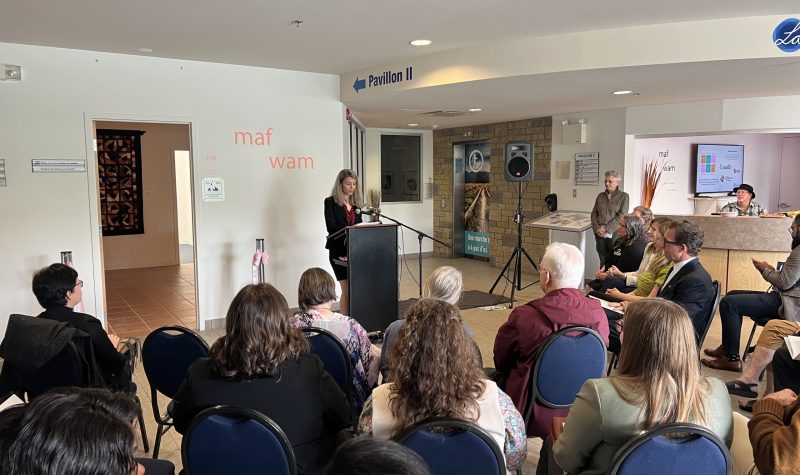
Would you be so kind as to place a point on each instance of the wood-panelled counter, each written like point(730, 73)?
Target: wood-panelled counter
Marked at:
point(731, 242)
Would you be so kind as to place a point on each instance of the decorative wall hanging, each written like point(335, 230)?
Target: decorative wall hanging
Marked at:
point(119, 157)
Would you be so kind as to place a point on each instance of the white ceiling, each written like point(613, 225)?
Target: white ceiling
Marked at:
point(347, 35)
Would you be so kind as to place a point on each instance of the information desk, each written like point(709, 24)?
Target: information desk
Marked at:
point(730, 244)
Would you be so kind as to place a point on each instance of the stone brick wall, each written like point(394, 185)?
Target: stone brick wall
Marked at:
point(503, 203)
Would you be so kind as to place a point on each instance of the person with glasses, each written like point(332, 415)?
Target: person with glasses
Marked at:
point(58, 290)
point(783, 302)
point(744, 204)
point(688, 283)
point(609, 207)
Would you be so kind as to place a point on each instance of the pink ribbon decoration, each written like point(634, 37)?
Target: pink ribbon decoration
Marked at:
point(259, 258)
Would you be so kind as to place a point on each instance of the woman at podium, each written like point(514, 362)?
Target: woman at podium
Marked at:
point(342, 209)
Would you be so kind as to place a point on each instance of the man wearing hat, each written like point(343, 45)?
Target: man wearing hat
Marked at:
point(744, 206)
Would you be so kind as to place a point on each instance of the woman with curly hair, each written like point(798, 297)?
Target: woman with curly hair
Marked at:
point(263, 363)
point(436, 373)
point(315, 295)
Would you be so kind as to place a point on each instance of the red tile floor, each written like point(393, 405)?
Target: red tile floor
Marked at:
point(141, 300)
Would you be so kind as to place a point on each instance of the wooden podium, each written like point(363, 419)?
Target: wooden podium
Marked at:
point(372, 274)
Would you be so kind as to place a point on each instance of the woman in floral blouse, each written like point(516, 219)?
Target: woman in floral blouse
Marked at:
point(315, 295)
point(435, 373)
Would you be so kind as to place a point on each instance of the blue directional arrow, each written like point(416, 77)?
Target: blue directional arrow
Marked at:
point(359, 84)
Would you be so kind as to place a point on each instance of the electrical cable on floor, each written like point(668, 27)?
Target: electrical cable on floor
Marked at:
point(405, 261)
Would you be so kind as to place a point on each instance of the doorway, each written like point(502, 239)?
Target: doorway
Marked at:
point(788, 191)
point(145, 212)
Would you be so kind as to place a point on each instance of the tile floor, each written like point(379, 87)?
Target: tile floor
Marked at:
point(147, 298)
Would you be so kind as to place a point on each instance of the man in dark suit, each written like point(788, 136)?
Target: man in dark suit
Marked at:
point(688, 284)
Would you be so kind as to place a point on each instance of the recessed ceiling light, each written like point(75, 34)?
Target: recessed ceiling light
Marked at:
point(475, 109)
point(621, 93)
point(144, 50)
point(420, 42)
point(413, 125)
point(411, 110)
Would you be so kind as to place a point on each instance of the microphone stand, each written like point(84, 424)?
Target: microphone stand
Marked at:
point(420, 236)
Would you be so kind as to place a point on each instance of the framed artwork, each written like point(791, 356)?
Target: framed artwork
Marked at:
point(387, 182)
point(119, 167)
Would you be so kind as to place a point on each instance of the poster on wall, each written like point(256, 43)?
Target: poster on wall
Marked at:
point(477, 168)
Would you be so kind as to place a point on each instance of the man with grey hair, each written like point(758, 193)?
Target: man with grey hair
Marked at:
point(609, 207)
point(529, 325)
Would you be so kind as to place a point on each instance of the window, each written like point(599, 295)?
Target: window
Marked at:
point(400, 168)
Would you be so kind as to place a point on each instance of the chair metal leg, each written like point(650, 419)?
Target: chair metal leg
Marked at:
point(612, 363)
point(142, 428)
point(749, 340)
point(157, 445)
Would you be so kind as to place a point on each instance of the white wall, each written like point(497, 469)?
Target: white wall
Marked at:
point(158, 245)
point(761, 169)
point(48, 115)
point(605, 133)
point(418, 215)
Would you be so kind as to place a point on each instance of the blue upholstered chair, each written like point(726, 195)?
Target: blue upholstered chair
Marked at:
point(565, 361)
point(673, 449)
point(452, 446)
point(167, 354)
point(228, 439)
point(334, 356)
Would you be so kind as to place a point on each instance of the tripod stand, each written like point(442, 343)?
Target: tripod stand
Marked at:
point(516, 256)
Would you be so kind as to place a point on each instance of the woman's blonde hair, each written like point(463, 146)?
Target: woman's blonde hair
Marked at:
point(444, 283)
point(660, 259)
point(659, 368)
point(338, 195)
point(434, 367)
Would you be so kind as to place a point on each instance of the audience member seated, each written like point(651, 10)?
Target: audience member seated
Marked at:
point(369, 456)
point(775, 433)
point(783, 302)
point(770, 340)
point(519, 339)
point(263, 363)
point(688, 283)
point(786, 370)
point(436, 373)
point(315, 295)
point(659, 381)
point(625, 255)
point(74, 432)
point(647, 279)
point(58, 290)
point(444, 283)
point(645, 213)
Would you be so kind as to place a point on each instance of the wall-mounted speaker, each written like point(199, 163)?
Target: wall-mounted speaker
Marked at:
point(519, 161)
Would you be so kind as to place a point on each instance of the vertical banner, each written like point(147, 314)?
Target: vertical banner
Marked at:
point(476, 198)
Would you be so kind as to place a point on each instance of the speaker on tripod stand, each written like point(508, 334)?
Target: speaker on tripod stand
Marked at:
point(518, 169)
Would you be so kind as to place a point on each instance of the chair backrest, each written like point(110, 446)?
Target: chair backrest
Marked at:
point(452, 446)
point(167, 353)
point(672, 449)
point(229, 439)
point(68, 368)
point(334, 357)
point(709, 318)
point(565, 361)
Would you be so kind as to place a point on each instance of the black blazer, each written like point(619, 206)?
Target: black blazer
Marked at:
point(626, 258)
point(691, 287)
point(336, 219)
point(305, 402)
point(109, 360)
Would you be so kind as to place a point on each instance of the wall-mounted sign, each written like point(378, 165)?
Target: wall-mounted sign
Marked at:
point(384, 78)
point(58, 166)
point(213, 189)
point(3, 182)
point(587, 168)
point(786, 35)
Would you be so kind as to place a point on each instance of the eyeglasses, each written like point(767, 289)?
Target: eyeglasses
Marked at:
point(78, 284)
point(672, 242)
point(792, 227)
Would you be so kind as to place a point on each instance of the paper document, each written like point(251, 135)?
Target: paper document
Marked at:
point(793, 343)
point(10, 401)
point(605, 304)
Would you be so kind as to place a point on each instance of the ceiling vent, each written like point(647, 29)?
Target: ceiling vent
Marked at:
point(445, 113)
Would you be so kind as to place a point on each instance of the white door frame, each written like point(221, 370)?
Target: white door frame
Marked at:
point(95, 231)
